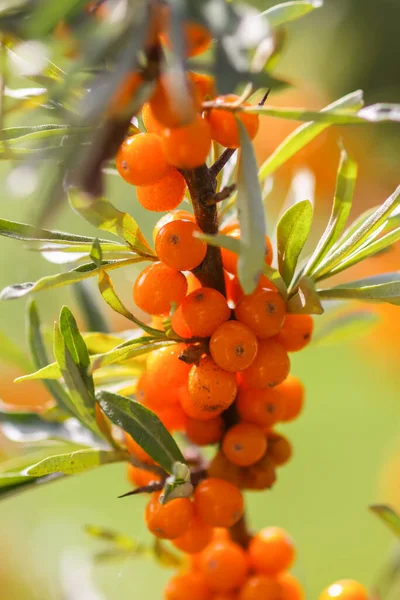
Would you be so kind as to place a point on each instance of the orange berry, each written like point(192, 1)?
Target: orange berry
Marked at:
point(211, 389)
point(222, 468)
point(204, 85)
point(147, 392)
point(218, 502)
point(196, 538)
point(179, 325)
point(230, 259)
point(244, 444)
point(157, 288)
point(233, 346)
point(291, 588)
point(296, 332)
point(345, 589)
point(203, 433)
point(141, 159)
point(261, 587)
point(192, 583)
point(124, 94)
point(187, 147)
point(234, 291)
point(134, 449)
point(171, 105)
point(270, 367)
point(204, 310)
point(177, 247)
point(263, 311)
point(224, 565)
point(174, 215)
point(225, 596)
point(193, 283)
point(192, 410)
point(141, 477)
point(260, 476)
point(224, 128)
point(197, 38)
point(149, 120)
point(293, 392)
point(165, 194)
point(172, 417)
point(166, 368)
point(171, 520)
point(261, 407)
point(271, 551)
point(279, 449)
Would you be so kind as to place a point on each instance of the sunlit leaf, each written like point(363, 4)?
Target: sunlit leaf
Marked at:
point(287, 12)
point(292, 233)
point(306, 300)
point(75, 462)
point(338, 327)
point(97, 343)
point(49, 372)
point(379, 288)
point(22, 231)
point(128, 350)
point(144, 426)
point(388, 516)
point(370, 114)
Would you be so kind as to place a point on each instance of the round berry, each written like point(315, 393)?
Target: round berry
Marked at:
point(141, 477)
point(260, 407)
point(192, 583)
point(171, 520)
point(296, 332)
point(203, 433)
point(167, 373)
point(172, 104)
point(270, 367)
point(197, 38)
point(222, 468)
point(179, 324)
point(196, 538)
point(177, 247)
point(261, 587)
point(141, 159)
point(166, 194)
point(233, 346)
point(260, 476)
point(173, 215)
point(224, 127)
point(224, 565)
point(187, 147)
point(157, 288)
point(263, 311)
point(218, 502)
point(279, 449)
point(204, 85)
point(345, 589)
point(271, 551)
point(211, 389)
point(244, 444)
point(293, 392)
point(204, 310)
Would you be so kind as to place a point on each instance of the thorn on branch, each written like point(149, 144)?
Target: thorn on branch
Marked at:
point(222, 195)
point(193, 354)
point(145, 489)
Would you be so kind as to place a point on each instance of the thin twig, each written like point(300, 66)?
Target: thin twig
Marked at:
point(222, 195)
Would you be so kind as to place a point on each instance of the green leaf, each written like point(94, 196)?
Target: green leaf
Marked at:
point(98, 342)
point(45, 16)
point(341, 326)
point(379, 288)
point(75, 462)
point(304, 134)
point(96, 254)
point(109, 535)
point(102, 214)
point(49, 372)
point(80, 273)
point(306, 300)
point(289, 11)
point(128, 350)
point(144, 426)
point(11, 353)
point(388, 516)
point(21, 231)
point(35, 133)
point(292, 233)
point(345, 183)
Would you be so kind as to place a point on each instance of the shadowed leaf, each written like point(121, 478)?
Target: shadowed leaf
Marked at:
point(388, 516)
point(292, 233)
point(75, 462)
point(379, 288)
point(286, 12)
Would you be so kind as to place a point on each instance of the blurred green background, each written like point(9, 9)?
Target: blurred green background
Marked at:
point(350, 424)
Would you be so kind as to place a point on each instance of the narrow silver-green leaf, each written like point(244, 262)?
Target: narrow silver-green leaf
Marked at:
point(49, 372)
point(144, 426)
point(73, 339)
point(379, 288)
point(75, 462)
point(286, 12)
point(306, 299)
point(389, 516)
point(137, 347)
point(341, 326)
point(22, 231)
point(292, 233)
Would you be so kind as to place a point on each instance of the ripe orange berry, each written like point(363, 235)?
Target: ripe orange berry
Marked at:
point(196, 538)
point(224, 565)
point(224, 128)
point(193, 283)
point(177, 247)
point(192, 583)
point(271, 551)
point(233, 346)
point(192, 410)
point(147, 392)
point(170, 105)
point(296, 332)
point(291, 588)
point(203, 433)
point(226, 596)
point(261, 587)
point(157, 288)
point(270, 367)
point(204, 310)
point(197, 38)
point(171, 520)
point(218, 502)
point(141, 477)
point(134, 449)
point(230, 259)
point(174, 215)
point(244, 444)
point(345, 589)
point(260, 476)
point(187, 147)
point(166, 368)
point(261, 407)
point(124, 94)
point(179, 325)
point(172, 417)
point(279, 449)
point(165, 194)
point(263, 311)
point(204, 85)
point(222, 468)
point(293, 391)
point(211, 389)
point(150, 121)
point(141, 159)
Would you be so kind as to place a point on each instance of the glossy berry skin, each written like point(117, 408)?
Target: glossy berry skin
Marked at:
point(177, 247)
point(165, 194)
point(263, 312)
point(187, 147)
point(204, 85)
point(141, 159)
point(296, 332)
point(233, 346)
point(204, 310)
point(279, 449)
point(157, 288)
point(179, 324)
point(222, 468)
point(203, 433)
point(271, 551)
point(270, 367)
point(150, 121)
point(196, 538)
point(169, 107)
point(218, 502)
point(141, 477)
point(171, 520)
point(261, 587)
point(211, 389)
point(224, 565)
point(223, 123)
point(260, 407)
point(345, 589)
point(293, 392)
point(172, 417)
point(244, 444)
point(192, 583)
point(173, 215)
point(196, 37)
point(260, 476)
point(166, 373)
point(230, 259)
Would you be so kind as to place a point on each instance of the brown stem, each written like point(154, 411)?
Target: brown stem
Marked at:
point(240, 534)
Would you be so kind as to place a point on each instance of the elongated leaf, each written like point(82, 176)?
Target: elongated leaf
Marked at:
point(304, 134)
point(102, 214)
point(144, 426)
point(341, 326)
point(292, 233)
point(379, 288)
point(388, 516)
point(306, 300)
point(75, 462)
point(133, 349)
point(287, 12)
point(22, 231)
point(109, 535)
point(250, 214)
point(49, 372)
point(97, 343)
point(342, 202)
point(80, 273)
point(37, 133)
